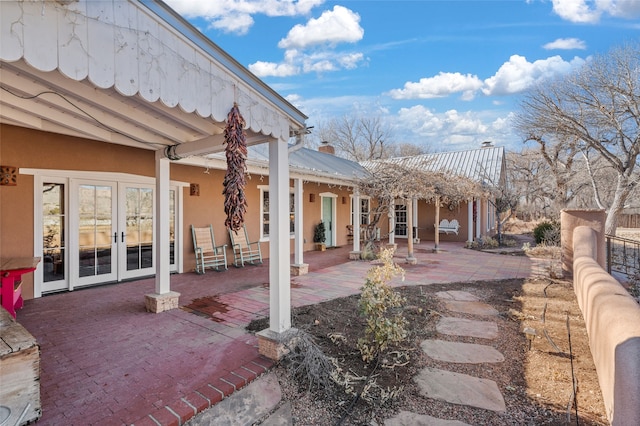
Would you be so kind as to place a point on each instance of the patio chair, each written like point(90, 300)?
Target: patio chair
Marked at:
point(208, 255)
point(243, 249)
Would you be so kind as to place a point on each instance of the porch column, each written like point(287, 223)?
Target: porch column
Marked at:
point(298, 267)
point(436, 238)
point(470, 220)
point(355, 253)
point(478, 214)
point(279, 274)
point(392, 224)
point(484, 213)
point(414, 206)
point(410, 258)
point(163, 299)
point(271, 341)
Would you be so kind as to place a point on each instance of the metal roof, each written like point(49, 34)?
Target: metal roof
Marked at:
point(485, 165)
point(305, 161)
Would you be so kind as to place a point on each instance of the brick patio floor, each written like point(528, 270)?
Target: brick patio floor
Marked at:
point(106, 361)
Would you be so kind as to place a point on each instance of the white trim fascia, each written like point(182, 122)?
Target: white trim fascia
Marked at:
point(262, 168)
point(93, 175)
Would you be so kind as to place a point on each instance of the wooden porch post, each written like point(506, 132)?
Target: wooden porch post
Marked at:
point(272, 342)
point(298, 267)
point(470, 220)
point(356, 252)
point(410, 258)
point(392, 223)
point(279, 273)
point(436, 239)
point(163, 299)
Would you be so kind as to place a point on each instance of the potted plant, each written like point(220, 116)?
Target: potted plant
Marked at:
point(319, 237)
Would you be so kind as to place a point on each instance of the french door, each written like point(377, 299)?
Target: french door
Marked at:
point(327, 218)
point(94, 225)
point(106, 236)
point(401, 219)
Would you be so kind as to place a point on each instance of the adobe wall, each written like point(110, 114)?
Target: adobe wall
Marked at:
point(569, 220)
point(612, 318)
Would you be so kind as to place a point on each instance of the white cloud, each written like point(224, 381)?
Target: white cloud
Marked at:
point(451, 129)
point(566, 44)
point(296, 62)
point(321, 36)
point(238, 23)
point(439, 86)
point(340, 25)
point(262, 69)
point(518, 74)
point(236, 15)
point(587, 11)
point(350, 60)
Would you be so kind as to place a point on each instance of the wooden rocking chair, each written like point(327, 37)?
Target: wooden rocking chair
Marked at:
point(208, 255)
point(243, 249)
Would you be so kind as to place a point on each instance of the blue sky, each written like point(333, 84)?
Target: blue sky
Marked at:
point(443, 74)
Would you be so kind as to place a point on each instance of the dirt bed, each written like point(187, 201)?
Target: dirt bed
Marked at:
point(536, 378)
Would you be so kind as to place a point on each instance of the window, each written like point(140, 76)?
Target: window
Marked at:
point(264, 195)
point(364, 211)
point(53, 231)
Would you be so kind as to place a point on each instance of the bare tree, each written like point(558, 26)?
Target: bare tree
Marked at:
point(405, 149)
point(598, 108)
point(357, 138)
point(389, 180)
point(528, 177)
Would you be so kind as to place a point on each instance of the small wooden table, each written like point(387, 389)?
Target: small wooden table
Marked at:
point(11, 271)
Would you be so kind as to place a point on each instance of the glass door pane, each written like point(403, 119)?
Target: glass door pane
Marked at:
point(96, 233)
point(327, 218)
point(136, 231)
point(401, 219)
point(53, 237)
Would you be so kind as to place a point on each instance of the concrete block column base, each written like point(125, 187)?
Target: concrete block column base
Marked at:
point(354, 255)
point(301, 269)
point(274, 345)
point(411, 260)
point(161, 302)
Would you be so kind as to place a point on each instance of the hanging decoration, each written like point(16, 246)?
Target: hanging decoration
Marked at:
point(235, 139)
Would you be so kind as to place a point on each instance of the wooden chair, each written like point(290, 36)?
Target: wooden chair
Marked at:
point(243, 249)
point(208, 255)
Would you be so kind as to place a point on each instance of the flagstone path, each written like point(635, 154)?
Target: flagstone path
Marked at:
point(451, 387)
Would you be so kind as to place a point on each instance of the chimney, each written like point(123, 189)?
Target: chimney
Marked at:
point(487, 144)
point(326, 148)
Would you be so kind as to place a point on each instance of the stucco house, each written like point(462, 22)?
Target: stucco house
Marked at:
point(476, 215)
point(99, 102)
point(112, 118)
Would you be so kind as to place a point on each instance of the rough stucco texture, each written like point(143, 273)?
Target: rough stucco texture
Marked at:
point(612, 318)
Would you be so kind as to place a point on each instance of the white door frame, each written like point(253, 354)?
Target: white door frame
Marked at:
point(65, 177)
point(334, 199)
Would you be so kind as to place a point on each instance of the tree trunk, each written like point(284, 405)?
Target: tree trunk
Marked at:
point(623, 189)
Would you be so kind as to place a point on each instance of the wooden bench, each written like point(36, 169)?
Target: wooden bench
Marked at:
point(19, 372)
point(448, 227)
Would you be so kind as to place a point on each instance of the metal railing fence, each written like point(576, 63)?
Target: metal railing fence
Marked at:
point(623, 256)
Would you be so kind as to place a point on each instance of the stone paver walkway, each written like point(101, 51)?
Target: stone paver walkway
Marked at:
point(468, 353)
point(457, 388)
